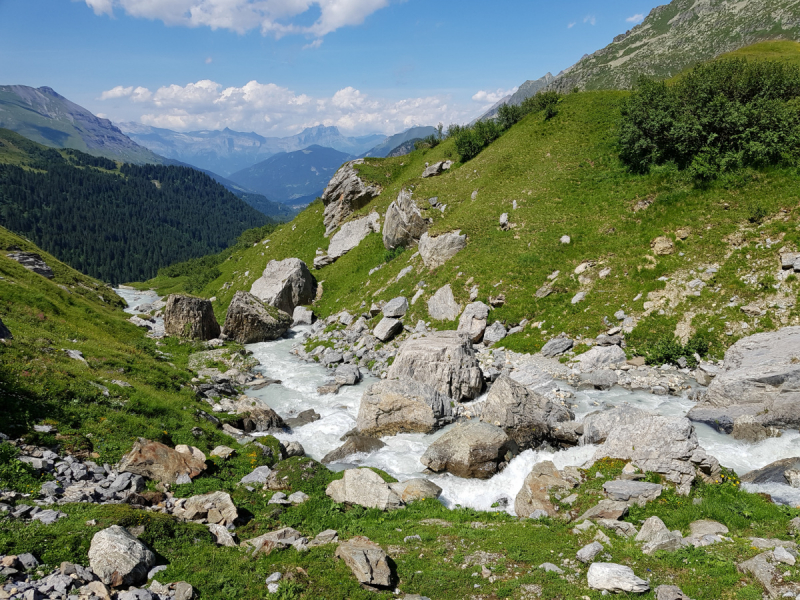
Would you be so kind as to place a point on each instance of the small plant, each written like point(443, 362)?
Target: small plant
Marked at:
point(390, 255)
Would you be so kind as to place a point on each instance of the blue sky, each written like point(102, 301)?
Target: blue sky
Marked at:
point(276, 66)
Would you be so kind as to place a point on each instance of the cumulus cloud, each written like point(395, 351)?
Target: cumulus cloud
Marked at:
point(271, 109)
point(492, 97)
point(276, 17)
point(638, 18)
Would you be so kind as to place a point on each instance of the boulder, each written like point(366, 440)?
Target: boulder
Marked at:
point(346, 192)
point(5, 334)
point(762, 569)
point(416, 489)
point(759, 379)
point(632, 492)
point(605, 510)
point(663, 246)
point(557, 346)
point(355, 444)
point(216, 508)
point(366, 488)
point(347, 374)
point(32, 262)
point(436, 169)
point(494, 333)
point(352, 234)
point(442, 306)
point(473, 321)
point(387, 329)
point(250, 321)
point(589, 552)
point(597, 425)
point(600, 357)
point(286, 284)
point(670, 592)
point(302, 316)
point(367, 561)
point(396, 307)
point(707, 527)
point(652, 529)
point(257, 416)
point(161, 463)
point(435, 251)
point(470, 449)
point(402, 406)
point(775, 472)
point(118, 558)
point(616, 579)
point(404, 223)
point(525, 416)
point(189, 317)
point(442, 360)
point(535, 493)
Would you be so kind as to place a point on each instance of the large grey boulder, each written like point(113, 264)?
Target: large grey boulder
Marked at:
point(638, 492)
point(257, 416)
point(250, 321)
point(600, 357)
point(597, 425)
point(494, 333)
point(119, 559)
point(346, 192)
point(416, 489)
point(161, 463)
point(189, 317)
point(352, 234)
point(775, 472)
point(387, 329)
point(285, 285)
point(365, 488)
point(5, 334)
point(666, 445)
point(402, 406)
point(556, 346)
point(216, 508)
point(437, 169)
point(367, 561)
point(473, 321)
point(470, 449)
point(616, 579)
point(32, 262)
point(404, 223)
point(442, 306)
point(435, 251)
point(347, 374)
point(525, 416)
point(534, 496)
point(302, 316)
point(443, 360)
point(355, 444)
point(396, 307)
point(760, 378)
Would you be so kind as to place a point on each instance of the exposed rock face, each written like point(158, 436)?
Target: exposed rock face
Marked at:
point(345, 193)
point(416, 489)
point(352, 234)
point(435, 251)
point(285, 285)
point(442, 306)
point(776, 472)
point(471, 449)
point(188, 317)
point(216, 508)
point(557, 346)
point(32, 262)
point(365, 488)
point(437, 169)
point(535, 493)
point(259, 417)
point(156, 461)
point(615, 579)
point(473, 321)
point(118, 558)
point(525, 416)
point(402, 406)
point(5, 334)
point(367, 560)
point(355, 444)
point(387, 329)
point(302, 316)
point(599, 357)
point(494, 333)
point(443, 360)
point(666, 445)
point(347, 375)
point(404, 224)
point(396, 307)
point(597, 425)
point(249, 321)
point(759, 379)
point(639, 492)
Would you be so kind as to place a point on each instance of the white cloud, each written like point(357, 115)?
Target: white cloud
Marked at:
point(269, 16)
point(492, 97)
point(571, 25)
point(590, 19)
point(209, 60)
point(270, 109)
point(638, 18)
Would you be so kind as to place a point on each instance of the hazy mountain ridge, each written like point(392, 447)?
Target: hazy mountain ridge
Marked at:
point(525, 91)
point(383, 149)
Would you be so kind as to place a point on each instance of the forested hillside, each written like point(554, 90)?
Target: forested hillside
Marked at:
point(115, 223)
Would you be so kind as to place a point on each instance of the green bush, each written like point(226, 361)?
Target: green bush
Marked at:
point(15, 474)
point(669, 350)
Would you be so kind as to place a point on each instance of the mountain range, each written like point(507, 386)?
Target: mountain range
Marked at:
point(391, 143)
point(526, 90)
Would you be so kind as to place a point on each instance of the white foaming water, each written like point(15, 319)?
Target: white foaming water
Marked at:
point(136, 298)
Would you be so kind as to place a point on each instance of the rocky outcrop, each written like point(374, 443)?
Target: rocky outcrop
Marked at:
point(158, 462)
point(600, 357)
point(250, 321)
point(435, 251)
point(351, 235)
point(444, 361)
point(781, 472)
point(215, 508)
point(759, 379)
point(302, 316)
point(437, 169)
point(610, 577)
point(366, 488)
point(355, 444)
point(402, 406)
point(534, 497)
point(416, 489)
point(473, 321)
point(346, 193)
point(442, 306)
point(32, 262)
point(367, 561)
point(387, 328)
point(396, 308)
point(189, 317)
point(597, 425)
point(471, 449)
point(259, 417)
point(404, 223)
point(119, 559)
point(5, 334)
point(528, 418)
point(286, 284)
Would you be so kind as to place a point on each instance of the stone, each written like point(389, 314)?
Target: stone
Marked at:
point(355, 444)
point(396, 307)
point(762, 570)
point(557, 346)
point(387, 329)
point(366, 488)
point(352, 234)
point(565, 239)
point(302, 316)
point(663, 246)
point(416, 489)
point(189, 317)
point(276, 540)
point(579, 297)
point(494, 333)
point(303, 418)
point(119, 559)
point(597, 425)
point(221, 534)
point(473, 321)
point(192, 451)
point(404, 223)
point(442, 360)
point(707, 527)
point(402, 406)
point(28, 561)
point(367, 560)
point(621, 528)
point(670, 592)
point(589, 552)
point(251, 321)
point(32, 262)
point(436, 169)
point(442, 306)
point(525, 416)
point(258, 475)
point(223, 452)
point(551, 568)
point(600, 357)
point(158, 462)
point(294, 449)
point(286, 284)
point(435, 251)
point(5, 334)
point(638, 492)
point(347, 374)
point(601, 380)
point(774, 472)
point(298, 498)
point(652, 529)
point(534, 496)
point(96, 589)
point(504, 224)
point(216, 507)
point(259, 417)
point(782, 555)
point(605, 509)
point(616, 579)
point(182, 590)
point(346, 192)
point(471, 449)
